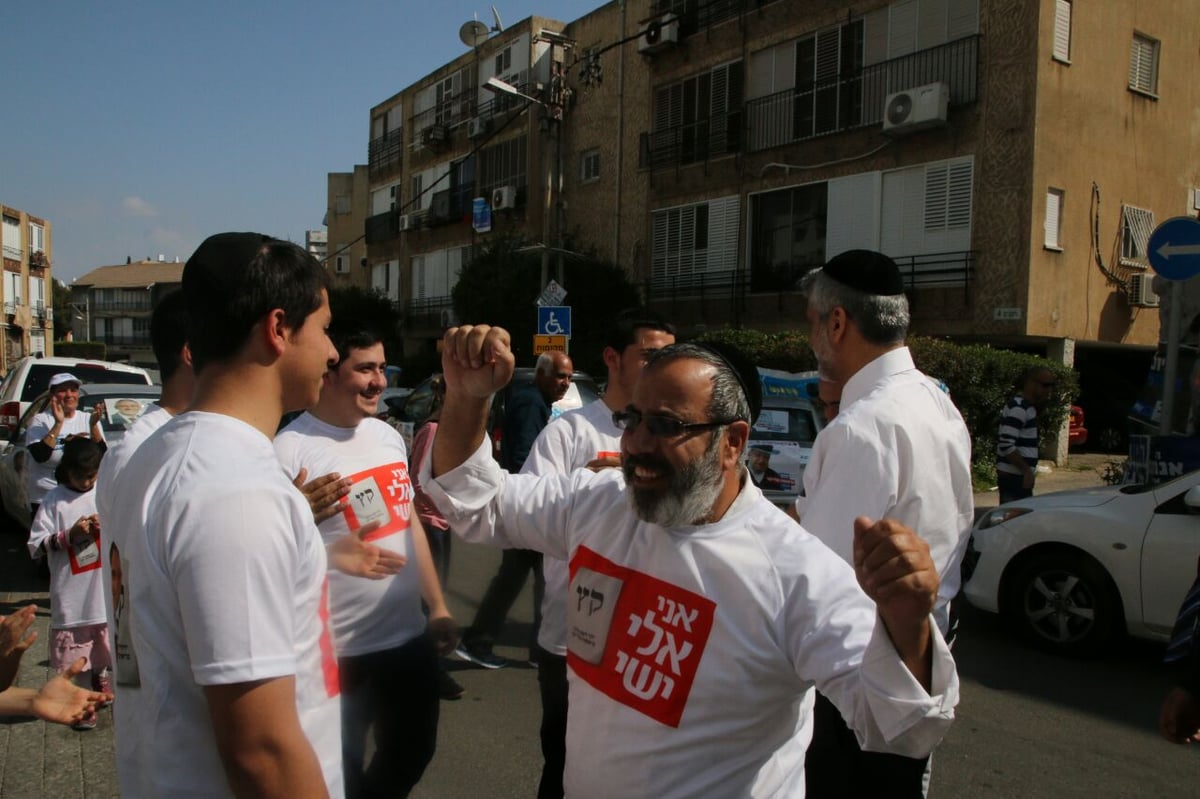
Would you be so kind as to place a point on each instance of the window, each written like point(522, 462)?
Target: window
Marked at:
point(827, 97)
point(1062, 31)
point(695, 245)
point(12, 289)
point(416, 187)
point(37, 238)
point(787, 235)
point(12, 237)
point(589, 166)
point(341, 264)
point(948, 196)
point(1136, 225)
point(1054, 205)
point(503, 61)
point(503, 164)
point(435, 274)
point(1143, 64)
point(341, 204)
point(701, 116)
point(37, 292)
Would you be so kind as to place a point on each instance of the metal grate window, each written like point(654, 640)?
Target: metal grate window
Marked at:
point(1143, 64)
point(1136, 226)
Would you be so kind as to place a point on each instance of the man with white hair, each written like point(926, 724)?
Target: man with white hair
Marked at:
point(700, 616)
point(898, 448)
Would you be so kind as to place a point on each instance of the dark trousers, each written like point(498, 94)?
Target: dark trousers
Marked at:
point(439, 550)
point(396, 692)
point(515, 566)
point(552, 682)
point(1012, 487)
point(836, 767)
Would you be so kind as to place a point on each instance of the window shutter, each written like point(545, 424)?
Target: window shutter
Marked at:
point(1062, 30)
point(1142, 64)
point(1053, 217)
point(958, 197)
point(937, 185)
point(962, 19)
point(902, 28)
point(931, 24)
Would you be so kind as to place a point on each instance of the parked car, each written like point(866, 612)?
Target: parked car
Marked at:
point(391, 398)
point(1072, 570)
point(781, 440)
point(123, 403)
point(30, 376)
point(416, 406)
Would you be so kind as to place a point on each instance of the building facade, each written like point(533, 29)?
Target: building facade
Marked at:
point(317, 243)
point(345, 216)
point(1013, 156)
point(113, 305)
point(27, 291)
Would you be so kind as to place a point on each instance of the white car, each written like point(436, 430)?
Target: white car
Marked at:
point(1073, 569)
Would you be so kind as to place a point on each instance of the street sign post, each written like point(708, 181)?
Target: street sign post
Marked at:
point(553, 294)
point(1174, 248)
point(554, 320)
point(544, 344)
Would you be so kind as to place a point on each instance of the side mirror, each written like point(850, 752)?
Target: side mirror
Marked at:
point(1192, 498)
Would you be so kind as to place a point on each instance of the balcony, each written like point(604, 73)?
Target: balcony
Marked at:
point(430, 313)
point(691, 143)
point(385, 153)
point(937, 270)
point(450, 206)
point(382, 228)
point(722, 284)
point(143, 305)
point(853, 101)
point(696, 15)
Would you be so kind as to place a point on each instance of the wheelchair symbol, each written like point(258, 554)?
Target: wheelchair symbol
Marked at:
point(552, 327)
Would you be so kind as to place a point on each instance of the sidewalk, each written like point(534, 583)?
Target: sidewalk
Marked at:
point(39, 759)
point(1082, 470)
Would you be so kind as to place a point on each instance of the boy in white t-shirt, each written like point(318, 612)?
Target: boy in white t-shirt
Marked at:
point(67, 531)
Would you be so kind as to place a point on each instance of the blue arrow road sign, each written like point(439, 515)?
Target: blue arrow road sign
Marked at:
point(1175, 248)
point(554, 320)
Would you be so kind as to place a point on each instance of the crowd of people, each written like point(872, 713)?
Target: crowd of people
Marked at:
point(261, 600)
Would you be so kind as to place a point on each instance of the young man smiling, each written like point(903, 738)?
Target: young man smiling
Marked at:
point(387, 651)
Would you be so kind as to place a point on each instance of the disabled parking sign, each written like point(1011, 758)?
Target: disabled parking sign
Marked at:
point(554, 320)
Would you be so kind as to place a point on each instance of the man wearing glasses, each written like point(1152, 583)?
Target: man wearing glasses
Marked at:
point(699, 617)
point(1017, 442)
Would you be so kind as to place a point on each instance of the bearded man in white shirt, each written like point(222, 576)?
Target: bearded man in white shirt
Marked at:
point(899, 449)
point(700, 616)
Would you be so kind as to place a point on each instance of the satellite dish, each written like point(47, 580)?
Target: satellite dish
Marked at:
point(499, 26)
point(899, 108)
point(473, 33)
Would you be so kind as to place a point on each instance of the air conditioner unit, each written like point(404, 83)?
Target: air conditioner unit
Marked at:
point(434, 134)
point(406, 222)
point(915, 109)
point(1141, 291)
point(659, 34)
point(504, 197)
point(477, 127)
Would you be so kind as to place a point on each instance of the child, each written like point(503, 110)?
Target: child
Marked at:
point(67, 531)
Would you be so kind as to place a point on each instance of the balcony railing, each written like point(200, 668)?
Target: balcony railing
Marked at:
point(430, 313)
point(696, 15)
point(385, 152)
point(723, 283)
point(937, 270)
point(10, 306)
point(382, 227)
point(693, 142)
point(856, 100)
point(117, 306)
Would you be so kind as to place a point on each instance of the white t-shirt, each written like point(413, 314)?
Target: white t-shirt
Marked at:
point(898, 449)
point(120, 636)
point(367, 615)
point(39, 477)
point(76, 591)
point(693, 650)
point(570, 442)
point(226, 585)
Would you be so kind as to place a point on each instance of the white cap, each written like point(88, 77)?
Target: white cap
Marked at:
point(64, 377)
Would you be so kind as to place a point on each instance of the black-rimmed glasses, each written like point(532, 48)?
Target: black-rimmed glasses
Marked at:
point(661, 426)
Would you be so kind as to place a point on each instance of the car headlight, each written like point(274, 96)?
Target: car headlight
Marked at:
point(1000, 515)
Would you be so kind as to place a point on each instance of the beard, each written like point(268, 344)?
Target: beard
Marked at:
point(690, 493)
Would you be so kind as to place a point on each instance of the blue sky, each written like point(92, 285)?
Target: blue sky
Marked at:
point(138, 127)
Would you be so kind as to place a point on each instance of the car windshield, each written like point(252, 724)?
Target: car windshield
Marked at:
point(40, 374)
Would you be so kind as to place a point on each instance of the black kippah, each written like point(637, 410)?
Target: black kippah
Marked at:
point(744, 370)
point(867, 271)
point(219, 263)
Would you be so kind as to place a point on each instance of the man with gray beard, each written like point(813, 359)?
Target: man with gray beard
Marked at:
point(700, 617)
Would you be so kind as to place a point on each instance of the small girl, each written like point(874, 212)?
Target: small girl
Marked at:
point(67, 531)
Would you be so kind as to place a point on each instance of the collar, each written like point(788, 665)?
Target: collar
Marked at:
point(861, 382)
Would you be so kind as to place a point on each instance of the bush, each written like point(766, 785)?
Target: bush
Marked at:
point(91, 350)
point(981, 379)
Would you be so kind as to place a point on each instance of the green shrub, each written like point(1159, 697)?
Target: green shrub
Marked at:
point(981, 379)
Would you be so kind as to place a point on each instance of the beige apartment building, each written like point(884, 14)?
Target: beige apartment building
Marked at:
point(27, 291)
point(113, 305)
point(1013, 156)
point(345, 217)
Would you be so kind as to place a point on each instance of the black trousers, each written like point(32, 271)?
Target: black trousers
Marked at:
point(396, 692)
point(836, 767)
point(552, 682)
point(515, 566)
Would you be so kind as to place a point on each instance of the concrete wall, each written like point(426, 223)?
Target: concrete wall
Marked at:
point(345, 228)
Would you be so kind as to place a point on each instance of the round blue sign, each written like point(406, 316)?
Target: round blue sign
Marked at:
point(1174, 248)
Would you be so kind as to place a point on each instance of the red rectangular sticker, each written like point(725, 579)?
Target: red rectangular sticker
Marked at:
point(380, 495)
point(85, 552)
point(655, 635)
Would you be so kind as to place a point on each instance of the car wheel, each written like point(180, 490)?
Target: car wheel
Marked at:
point(1064, 602)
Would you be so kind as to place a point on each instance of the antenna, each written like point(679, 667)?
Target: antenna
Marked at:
point(473, 33)
point(499, 26)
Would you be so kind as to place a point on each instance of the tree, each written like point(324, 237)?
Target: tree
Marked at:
point(370, 309)
point(501, 285)
point(60, 301)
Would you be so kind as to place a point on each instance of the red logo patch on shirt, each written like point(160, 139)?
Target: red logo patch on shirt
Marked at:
point(635, 638)
point(380, 495)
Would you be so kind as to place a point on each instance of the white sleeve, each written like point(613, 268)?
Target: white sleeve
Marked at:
point(235, 573)
point(45, 525)
point(837, 641)
point(484, 504)
point(551, 451)
point(848, 479)
point(38, 428)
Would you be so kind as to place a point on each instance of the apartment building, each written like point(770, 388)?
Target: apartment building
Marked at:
point(113, 305)
point(317, 243)
point(1013, 157)
point(28, 252)
point(345, 217)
